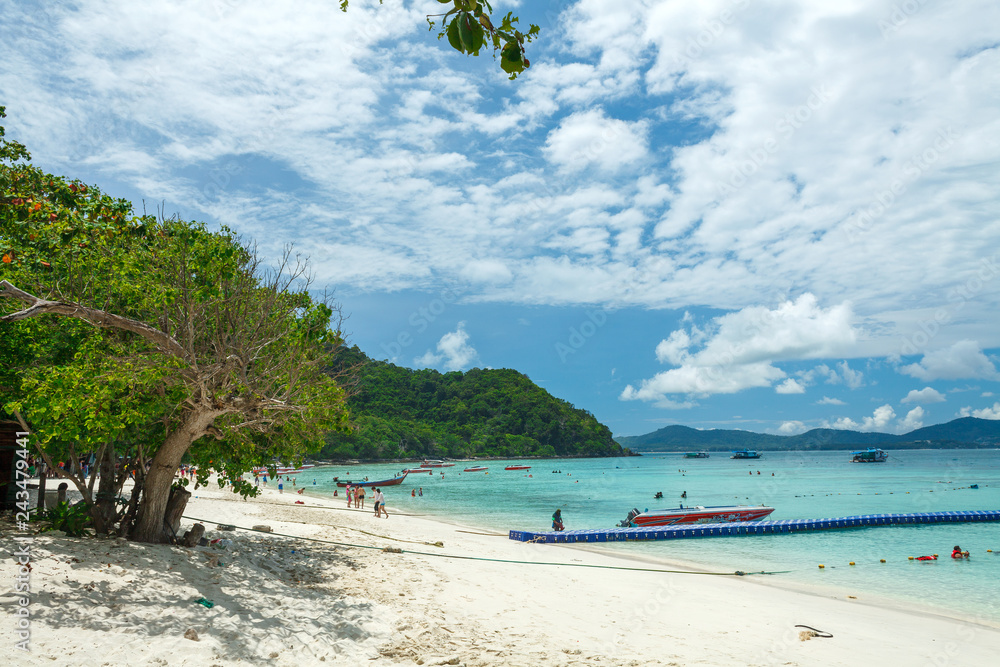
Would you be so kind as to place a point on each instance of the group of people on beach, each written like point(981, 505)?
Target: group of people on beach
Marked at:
point(356, 499)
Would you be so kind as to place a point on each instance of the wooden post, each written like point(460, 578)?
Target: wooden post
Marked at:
point(192, 536)
point(175, 508)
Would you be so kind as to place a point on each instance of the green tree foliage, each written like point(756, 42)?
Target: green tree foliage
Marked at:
point(469, 27)
point(402, 413)
point(129, 336)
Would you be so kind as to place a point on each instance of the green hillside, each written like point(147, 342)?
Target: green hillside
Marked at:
point(398, 412)
point(959, 433)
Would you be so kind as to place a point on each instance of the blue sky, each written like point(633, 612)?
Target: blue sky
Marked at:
point(723, 214)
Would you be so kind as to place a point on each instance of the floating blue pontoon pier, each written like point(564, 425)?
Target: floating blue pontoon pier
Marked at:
point(751, 527)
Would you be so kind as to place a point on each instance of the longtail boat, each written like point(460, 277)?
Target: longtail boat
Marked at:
point(395, 481)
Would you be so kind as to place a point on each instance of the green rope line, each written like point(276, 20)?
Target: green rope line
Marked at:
point(738, 573)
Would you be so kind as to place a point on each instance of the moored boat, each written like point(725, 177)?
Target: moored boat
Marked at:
point(745, 454)
point(697, 514)
point(417, 471)
point(518, 468)
point(696, 455)
point(436, 464)
point(384, 482)
point(283, 470)
point(476, 469)
point(870, 455)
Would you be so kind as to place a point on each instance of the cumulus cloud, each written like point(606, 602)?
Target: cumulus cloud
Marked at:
point(842, 373)
point(737, 351)
point(790, 386)
point(984, 413)
point(826, 400)
point(963, 360)
point(590, 137)
point(914, 419)
point(453, 352)
point(925, 395)
point(791, 428)
point(879, 421)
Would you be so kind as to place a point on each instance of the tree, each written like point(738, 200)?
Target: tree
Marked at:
point(201, 344)
point(469, 27)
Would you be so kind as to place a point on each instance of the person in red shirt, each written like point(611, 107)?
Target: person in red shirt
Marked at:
point(958, 553)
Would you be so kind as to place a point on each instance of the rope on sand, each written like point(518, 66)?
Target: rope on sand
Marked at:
point(495, 560)
point(815, 632)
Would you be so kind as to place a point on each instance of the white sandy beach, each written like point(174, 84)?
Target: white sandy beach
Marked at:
point(287, 601)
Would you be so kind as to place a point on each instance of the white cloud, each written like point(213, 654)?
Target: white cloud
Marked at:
point(963, 360)
point(737, 349)
point(984, 413)
point(842, 374)
point(925, 395)
point(790, 386)
point(590, 138)
point(913, 420)
point(826, 400)
point(454, 352)
point(758, 154)
point(791, 428)
point(879, 421)
point(486, 271)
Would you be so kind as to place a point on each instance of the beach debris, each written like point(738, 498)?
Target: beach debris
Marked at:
point(225, 526)
point(392, 550)
point(810, 632)
point(263, 528)
point(223, 544)
point(191, 634)
point(204, 602)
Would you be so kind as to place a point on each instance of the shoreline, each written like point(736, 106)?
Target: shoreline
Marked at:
point(281, 600)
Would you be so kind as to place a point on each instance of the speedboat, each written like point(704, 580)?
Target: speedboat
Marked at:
point(476, 469)
point(697, 514)
point(436, 464)
point(518, 468)
point(417, 471)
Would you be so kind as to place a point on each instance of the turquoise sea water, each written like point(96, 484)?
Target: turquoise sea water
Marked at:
point(596, 493)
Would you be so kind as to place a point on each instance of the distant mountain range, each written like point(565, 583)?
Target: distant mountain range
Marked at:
point(966, 432)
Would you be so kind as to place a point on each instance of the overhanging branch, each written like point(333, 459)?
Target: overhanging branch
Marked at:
point(98, 318)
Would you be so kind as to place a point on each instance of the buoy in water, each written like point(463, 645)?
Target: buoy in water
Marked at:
point(821, 566)
point(881, 560)
point(851, 563)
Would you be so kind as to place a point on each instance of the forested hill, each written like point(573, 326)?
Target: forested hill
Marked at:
point(398, 412)
point(966, 432)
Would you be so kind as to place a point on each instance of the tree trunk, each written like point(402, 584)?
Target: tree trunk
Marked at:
point(176, 503)
point(156, 492)
point(104, 510)
point(41, 486)
point(192, 536)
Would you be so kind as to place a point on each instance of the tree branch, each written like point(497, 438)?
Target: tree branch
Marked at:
point(93, 316)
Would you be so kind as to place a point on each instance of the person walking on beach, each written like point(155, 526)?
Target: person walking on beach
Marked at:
point(281, 487)
point(375, 499)
point(361, 496)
